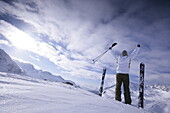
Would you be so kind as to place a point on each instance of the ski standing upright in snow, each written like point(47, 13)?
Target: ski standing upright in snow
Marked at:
point(141, 86)
point(102, 83)
point(104, 70)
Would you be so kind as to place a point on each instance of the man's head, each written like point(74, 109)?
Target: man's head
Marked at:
point(124, 53)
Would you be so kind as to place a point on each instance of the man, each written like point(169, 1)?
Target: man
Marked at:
point(122, 74)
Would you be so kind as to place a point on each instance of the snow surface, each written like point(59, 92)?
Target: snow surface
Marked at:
point(22, 94)
point(157, 97)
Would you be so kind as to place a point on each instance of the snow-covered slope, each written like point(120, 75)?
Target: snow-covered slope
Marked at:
point(22, 94)
point(157, 97)
point(8, 65)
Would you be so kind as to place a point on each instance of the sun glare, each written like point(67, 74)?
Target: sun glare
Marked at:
point(22, 41)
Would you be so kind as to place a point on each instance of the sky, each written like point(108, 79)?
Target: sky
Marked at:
point(64, 36)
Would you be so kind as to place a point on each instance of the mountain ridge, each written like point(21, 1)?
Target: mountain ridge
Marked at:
point(8, 65)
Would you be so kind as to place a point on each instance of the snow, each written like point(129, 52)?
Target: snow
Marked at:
point(157, 97)
point(22, 94)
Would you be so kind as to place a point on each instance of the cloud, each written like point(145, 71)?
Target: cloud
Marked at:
point(23, 41)
point(5, 42)
point(70, 33)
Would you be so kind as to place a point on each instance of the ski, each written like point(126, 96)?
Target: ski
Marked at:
point(141, 86)
point(102, 83)
point(104, 70)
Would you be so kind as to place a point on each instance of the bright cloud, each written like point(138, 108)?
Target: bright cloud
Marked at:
point(5, 42)
point(18, 38)
point(21, 40)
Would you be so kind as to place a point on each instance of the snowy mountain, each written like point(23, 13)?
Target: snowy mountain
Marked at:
point(23, 94)
point(160, 87)
point(8, 65)
point(30, 70)
point(44, 75)
point(157, 97)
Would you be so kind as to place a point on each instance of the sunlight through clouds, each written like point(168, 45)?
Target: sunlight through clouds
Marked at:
point(5, 42)
point(17, 37)
point(21, 40)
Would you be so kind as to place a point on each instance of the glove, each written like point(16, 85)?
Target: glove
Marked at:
point(138, 45)
point(114, 44)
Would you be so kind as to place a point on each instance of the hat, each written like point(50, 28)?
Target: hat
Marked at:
point(124, 53)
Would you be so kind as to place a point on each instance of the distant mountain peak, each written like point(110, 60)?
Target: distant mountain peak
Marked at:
point(40, 74)
point(16, 67)
point(163, 87)
point(8, 65)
